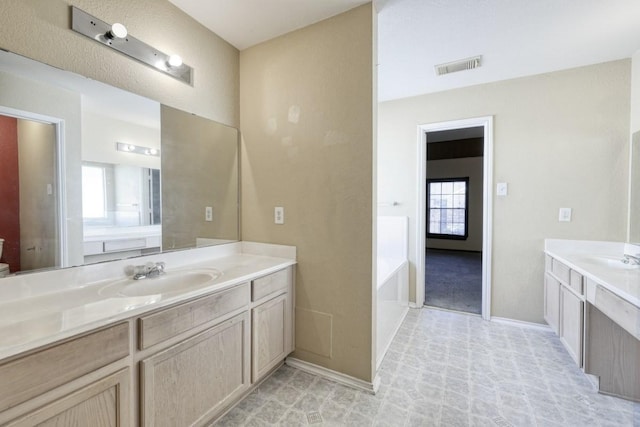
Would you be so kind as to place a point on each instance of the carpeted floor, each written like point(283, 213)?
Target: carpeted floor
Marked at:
point(454, 280)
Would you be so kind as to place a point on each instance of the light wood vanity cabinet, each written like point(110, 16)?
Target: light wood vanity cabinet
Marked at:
point(572, 323)
point(552, 302)
point(272, 317)
point(70, 383)
point(180, 365)
point(564, 303)
point(102, 403)
point(191, 382)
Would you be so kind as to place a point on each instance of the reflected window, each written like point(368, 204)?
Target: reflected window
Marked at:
point(447, 207)
point(94, 196)
point(116, 195)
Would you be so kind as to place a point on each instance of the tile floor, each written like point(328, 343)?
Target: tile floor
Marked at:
point(446, 369)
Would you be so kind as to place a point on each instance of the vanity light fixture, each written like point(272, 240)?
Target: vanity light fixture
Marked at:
point(137, 149)
point(117, 37)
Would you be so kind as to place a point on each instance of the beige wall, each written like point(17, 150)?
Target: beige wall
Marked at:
point(307, 126)
point(40, 29)
point(459, 168)
point(560, 140)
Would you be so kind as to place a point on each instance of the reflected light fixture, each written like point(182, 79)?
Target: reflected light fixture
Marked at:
point(117, 37)
point(137, 149)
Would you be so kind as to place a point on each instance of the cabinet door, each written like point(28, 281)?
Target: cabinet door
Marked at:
point(271, 335)
point(103, 403)
point(552, 302)
point(192, 382)
point(571, 324)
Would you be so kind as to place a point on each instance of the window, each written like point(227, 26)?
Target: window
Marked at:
point(447, 207)
point(94, 196)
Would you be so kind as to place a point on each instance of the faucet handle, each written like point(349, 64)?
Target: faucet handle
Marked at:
point(160, 266)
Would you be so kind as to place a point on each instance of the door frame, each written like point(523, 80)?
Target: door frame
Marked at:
point(62, 255)
point(487, 208)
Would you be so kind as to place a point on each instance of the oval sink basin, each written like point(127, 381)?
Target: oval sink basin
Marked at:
point(174, 282)
point(611, 262)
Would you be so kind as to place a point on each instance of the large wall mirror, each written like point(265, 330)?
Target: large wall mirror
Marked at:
point(90, 173)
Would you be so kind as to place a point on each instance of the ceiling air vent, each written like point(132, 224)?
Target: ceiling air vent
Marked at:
point(460, 65)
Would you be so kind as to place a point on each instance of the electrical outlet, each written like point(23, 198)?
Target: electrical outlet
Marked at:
point(564, 215)
point(208, 213)
point(278, 215)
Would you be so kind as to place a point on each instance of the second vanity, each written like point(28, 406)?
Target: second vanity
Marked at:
point(96, 352)
point(592, 301)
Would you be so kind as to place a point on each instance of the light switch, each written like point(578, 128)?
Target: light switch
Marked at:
point(502, 189)
point(564, 215)
point(208, 213)
point(279, 215)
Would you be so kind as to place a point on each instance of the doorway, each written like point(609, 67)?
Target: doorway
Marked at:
point(453, 278)
point(454, 215)
point(31, 221)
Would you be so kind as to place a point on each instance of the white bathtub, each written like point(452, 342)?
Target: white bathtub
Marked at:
point(392, 280)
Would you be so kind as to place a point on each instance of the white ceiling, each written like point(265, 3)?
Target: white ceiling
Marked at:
point(515, 37)
point(245, 23)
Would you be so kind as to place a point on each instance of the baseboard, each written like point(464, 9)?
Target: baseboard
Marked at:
point(464, 313)
point(415, 305)
point(349, 381)
point(380, 357)
point(521, 323)
point(454, 250)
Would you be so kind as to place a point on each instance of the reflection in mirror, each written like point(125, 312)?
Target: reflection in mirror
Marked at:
point(28, 194)
point(120, 183)
point(125, 217)
point(199, 181)
point(634, 194)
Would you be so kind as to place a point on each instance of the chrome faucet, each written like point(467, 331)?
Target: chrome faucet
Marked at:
point(631, 259)
point(148, 270)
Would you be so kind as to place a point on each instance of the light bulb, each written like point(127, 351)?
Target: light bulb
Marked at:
point(175, 60)
point(117, 30)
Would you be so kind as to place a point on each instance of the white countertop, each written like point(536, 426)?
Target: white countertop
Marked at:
point(598, 261)
point(41, 308)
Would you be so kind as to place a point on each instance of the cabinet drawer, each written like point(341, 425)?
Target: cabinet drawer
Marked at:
point(168, 323)
point(270, 284)
point(37, 373)
point(620, 311)
point(561, 271)
point(575, 282)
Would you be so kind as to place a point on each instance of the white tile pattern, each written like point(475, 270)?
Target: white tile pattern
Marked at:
point(446, 369)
